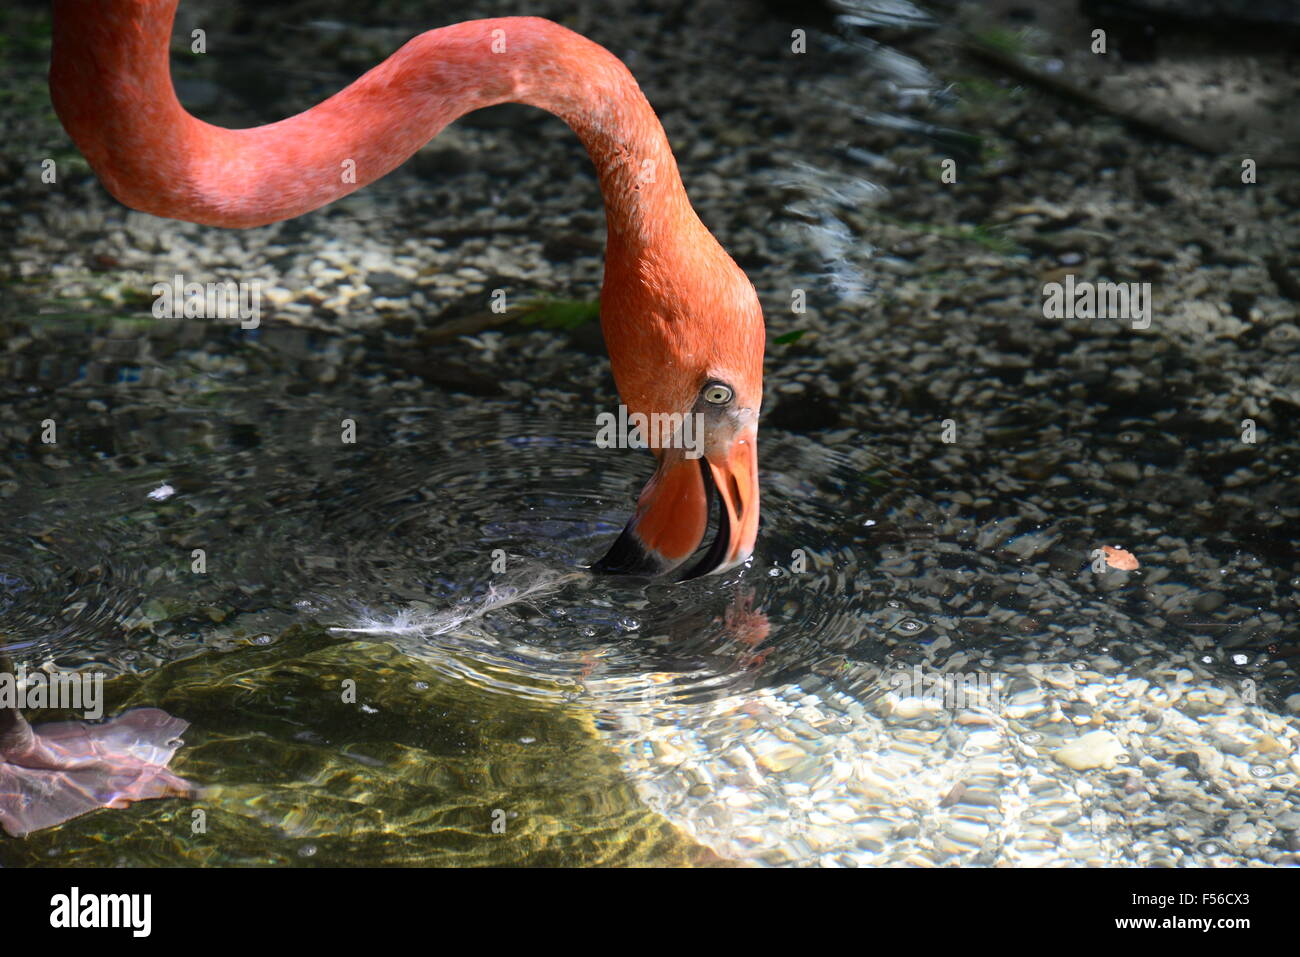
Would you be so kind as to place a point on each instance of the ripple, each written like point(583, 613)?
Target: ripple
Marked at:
point(461, 538)
point(67, 584)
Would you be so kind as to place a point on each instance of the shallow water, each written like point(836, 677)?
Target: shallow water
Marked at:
point(374, 564)
point(393, 640)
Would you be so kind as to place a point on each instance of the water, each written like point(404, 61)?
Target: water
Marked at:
point(373, 564)
point(296, 527)
point(305, 537)
point(395, 643)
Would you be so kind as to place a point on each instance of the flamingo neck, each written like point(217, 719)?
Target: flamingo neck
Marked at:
point(111, 84)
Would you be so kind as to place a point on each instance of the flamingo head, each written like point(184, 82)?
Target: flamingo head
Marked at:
point(686, 343)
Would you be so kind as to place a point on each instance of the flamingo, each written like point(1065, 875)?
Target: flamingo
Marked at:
point(682, 322)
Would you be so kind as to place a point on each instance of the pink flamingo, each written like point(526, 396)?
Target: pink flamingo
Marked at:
point(682, 322)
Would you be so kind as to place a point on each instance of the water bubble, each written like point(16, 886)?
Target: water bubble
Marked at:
point(1261, 771)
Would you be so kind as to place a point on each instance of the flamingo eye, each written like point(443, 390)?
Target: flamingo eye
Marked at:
point(717, 393)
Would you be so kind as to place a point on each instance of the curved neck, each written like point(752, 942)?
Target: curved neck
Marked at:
point(110, 80)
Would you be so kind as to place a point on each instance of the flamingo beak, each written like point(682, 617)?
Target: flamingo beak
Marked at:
point(672, 514)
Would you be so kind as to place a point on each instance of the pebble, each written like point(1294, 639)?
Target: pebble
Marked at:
point(1097, 749)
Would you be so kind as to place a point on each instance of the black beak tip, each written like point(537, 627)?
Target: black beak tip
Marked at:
point(627, 556)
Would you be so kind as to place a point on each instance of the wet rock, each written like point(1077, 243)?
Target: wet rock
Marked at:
point(389, 285)
point(1098, 749)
